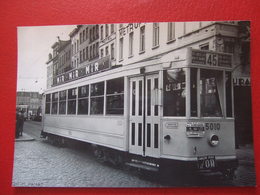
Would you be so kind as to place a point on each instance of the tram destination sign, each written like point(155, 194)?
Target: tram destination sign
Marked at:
point(209, 58)
point(87, 70)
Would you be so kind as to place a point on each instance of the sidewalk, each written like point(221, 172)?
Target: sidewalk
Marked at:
point(25, 137)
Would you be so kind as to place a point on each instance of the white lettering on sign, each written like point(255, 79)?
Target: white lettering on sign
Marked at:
point(242, 81)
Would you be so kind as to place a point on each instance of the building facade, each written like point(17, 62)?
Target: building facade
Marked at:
point(32, 99)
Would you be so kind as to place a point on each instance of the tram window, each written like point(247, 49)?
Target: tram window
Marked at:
point(228, 94)
point(83, 100)
point(48, 104)
point(97, 98)
point(193, 91)
point(115, 96)
point(174, 93)
point(54, 107)
point(62, 102)
point(211, 89)
point(72, 95)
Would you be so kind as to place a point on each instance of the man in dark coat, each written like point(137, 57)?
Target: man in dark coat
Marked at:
point(19, 123)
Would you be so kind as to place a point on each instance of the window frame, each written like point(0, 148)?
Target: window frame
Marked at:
point(114, 93)
point(131, 44)
point(96, 96)
point(156, 36)
point(70, 99)
point(171, 32)
point(121, 49)
point(142, 40)
point(82, 98)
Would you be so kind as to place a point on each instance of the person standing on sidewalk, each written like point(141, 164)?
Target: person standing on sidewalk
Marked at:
point(19, 123)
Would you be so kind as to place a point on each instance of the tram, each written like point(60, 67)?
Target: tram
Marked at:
point(172, 111)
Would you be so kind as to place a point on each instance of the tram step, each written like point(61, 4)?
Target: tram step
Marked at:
point(147, 166)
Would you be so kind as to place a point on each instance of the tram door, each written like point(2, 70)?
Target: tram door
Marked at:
point(144, 124)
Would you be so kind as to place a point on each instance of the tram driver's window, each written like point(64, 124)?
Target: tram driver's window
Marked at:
point(211, 93)
point(115, 96)
point(174, 92)
point(193, 92)
point(97, 98)
point(48, 104)
point(72, 95)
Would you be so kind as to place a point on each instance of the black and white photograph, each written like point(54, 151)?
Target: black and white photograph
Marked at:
point(154, 105)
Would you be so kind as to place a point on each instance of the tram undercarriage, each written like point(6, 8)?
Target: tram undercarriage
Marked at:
point(145, 164)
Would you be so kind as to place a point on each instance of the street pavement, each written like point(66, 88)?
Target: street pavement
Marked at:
point(38, 163)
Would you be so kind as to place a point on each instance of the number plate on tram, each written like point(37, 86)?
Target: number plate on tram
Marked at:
point(206, 162)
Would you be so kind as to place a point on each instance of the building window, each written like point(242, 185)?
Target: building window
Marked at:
point(84, 54)
point(112, 28)
point(131, 42)
point(97, 30)
point(171, 31)
point(86, 57)
point(115, 96)
point(94, 33)
point(142, 39)
point(90, 35)
point(86, 33)
point(80, 56)
point(80, 38)
point(229, 47)
point(97, 98)
point(48, 104)
point(54, 108)
point(102, 53)
point(94, 50)
point(112, 51)
point(155, 34)
point(97, 49)
point(83, 35)
point(107, 28)
point(90, 52)
point(62, 102)
point(83, 100)
point(102, 32)
point(72, 95)
point(121, 48)
point(107, 51)
point(204, 47)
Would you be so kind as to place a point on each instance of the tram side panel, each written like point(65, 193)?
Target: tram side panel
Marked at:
point(105, 131)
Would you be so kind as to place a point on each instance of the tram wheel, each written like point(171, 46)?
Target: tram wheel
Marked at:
point(99, 154)
point(228, 174)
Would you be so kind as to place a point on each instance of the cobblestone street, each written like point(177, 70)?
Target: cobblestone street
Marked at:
point(39, 163)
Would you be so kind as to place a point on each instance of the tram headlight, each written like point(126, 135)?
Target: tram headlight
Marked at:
point(214, 140)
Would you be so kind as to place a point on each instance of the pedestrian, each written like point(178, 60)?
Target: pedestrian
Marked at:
point(19, 123)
